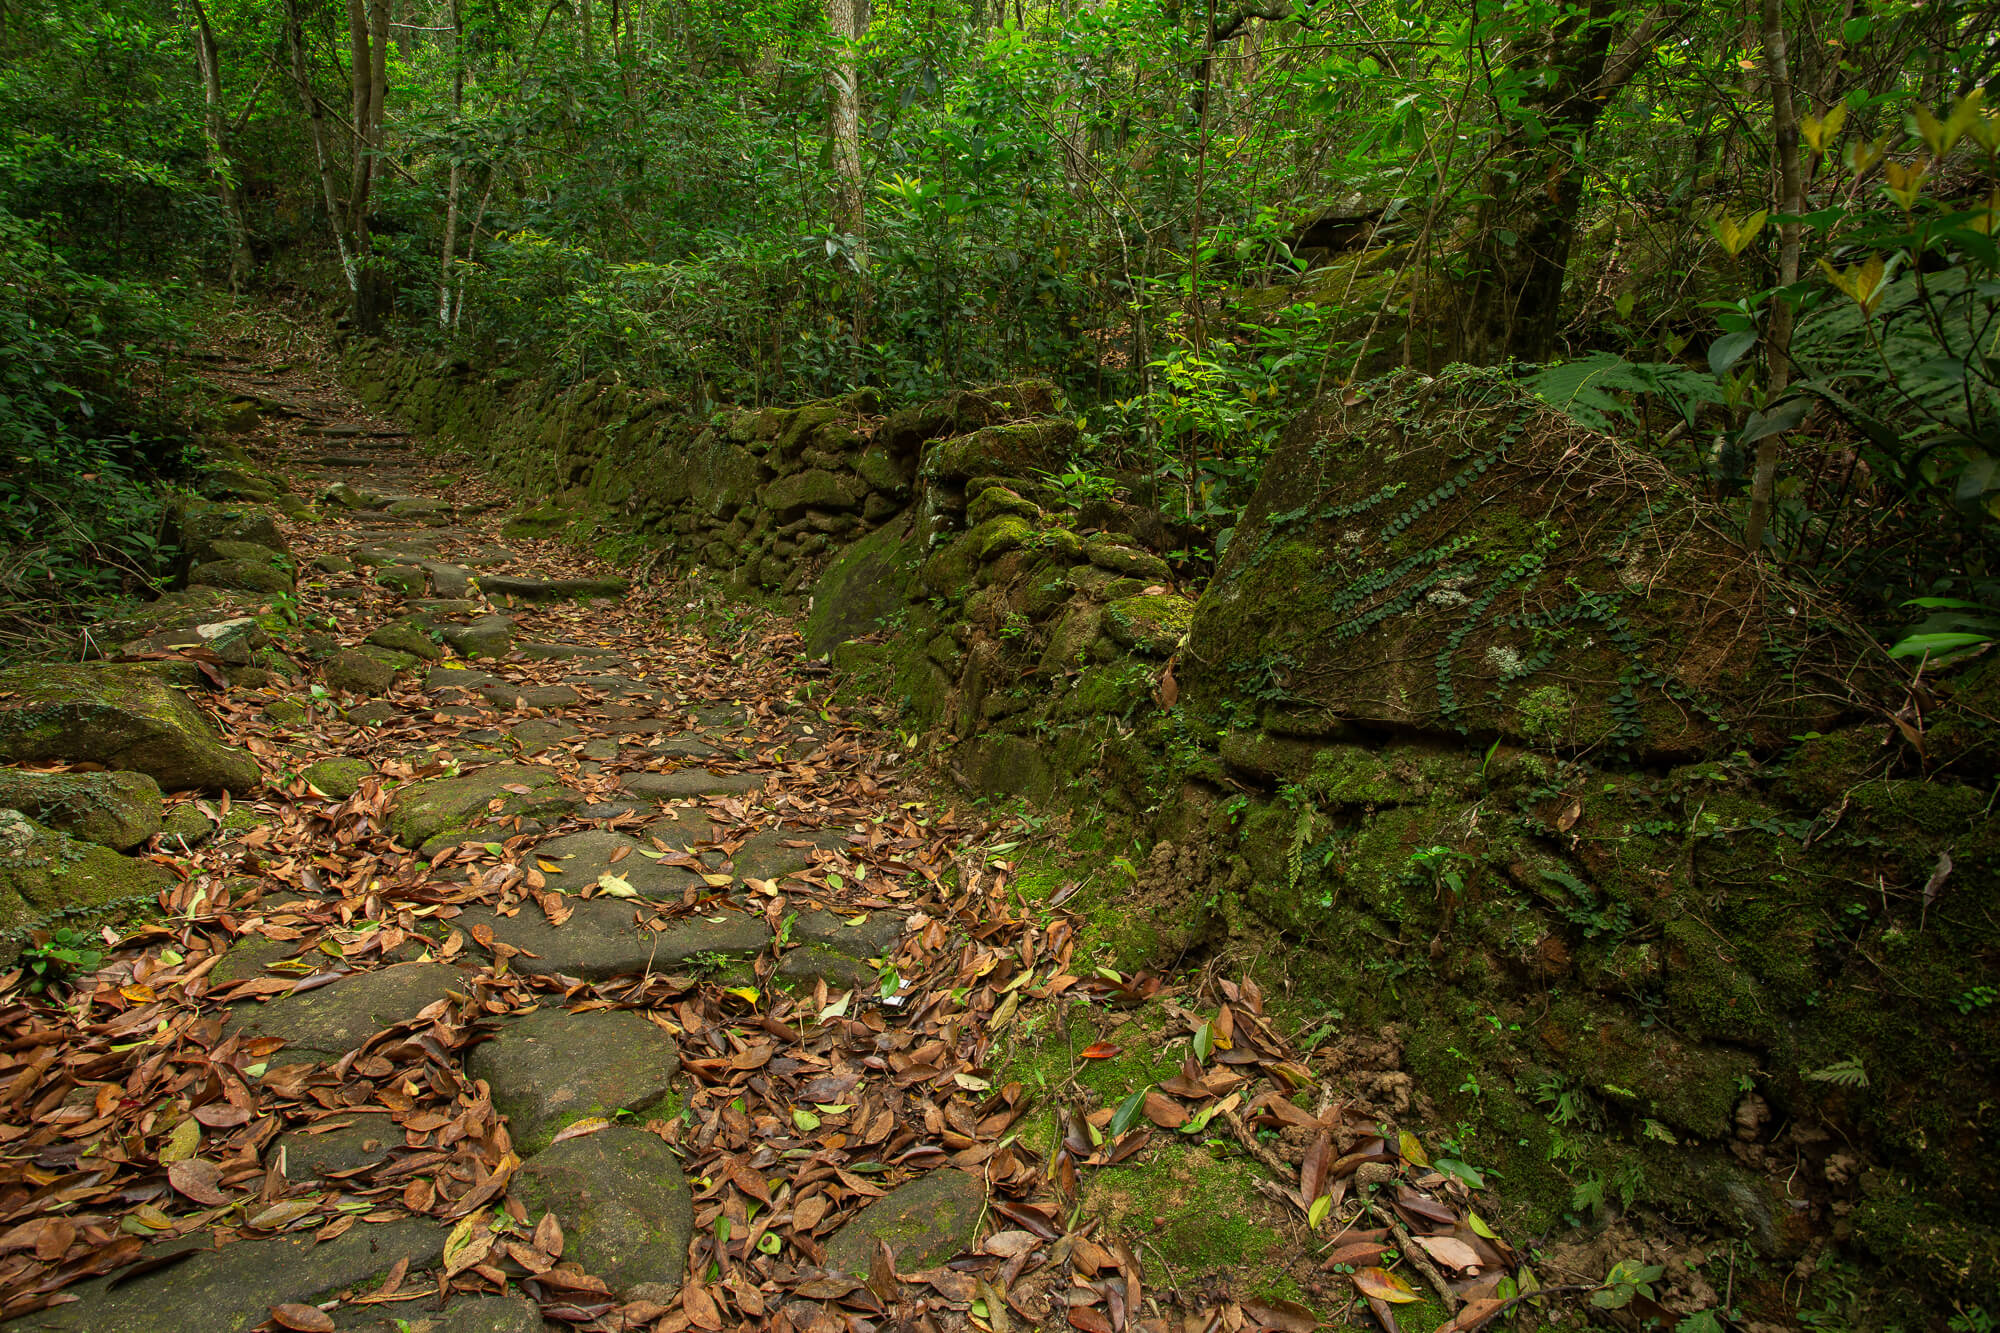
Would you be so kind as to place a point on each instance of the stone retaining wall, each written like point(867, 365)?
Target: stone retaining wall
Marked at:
point(1485, 730)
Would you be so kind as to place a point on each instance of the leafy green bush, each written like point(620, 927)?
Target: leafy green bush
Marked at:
point(81, 507)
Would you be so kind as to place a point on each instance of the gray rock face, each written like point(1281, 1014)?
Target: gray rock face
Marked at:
point(443, 805)
point(233, 1289)
point(337, 1152)
point(601, 939)
point(357, 672)
point(488, 636)
point(691, 782)
point(511, 694)
point(623, 1203)
point(766, 856)
point(510, 587)
point(926, 1222)
point(118, 810)
point(551, 1068)
point(583, 857)
point(327, 1023)
point(122, 717)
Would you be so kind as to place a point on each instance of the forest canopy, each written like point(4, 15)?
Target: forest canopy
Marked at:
point(1756, 238)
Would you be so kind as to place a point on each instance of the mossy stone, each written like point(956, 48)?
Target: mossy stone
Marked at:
point(242, 575)
point(550, 1068)
point(234, 1288)
point(1155, 625)
point(428, 809)
point(338, 778)
point(624, 1204)
point(123, 717)
point(44, 873)
point(117, 810)
point(924, 1223)
point(405, 637)
point(357, 672)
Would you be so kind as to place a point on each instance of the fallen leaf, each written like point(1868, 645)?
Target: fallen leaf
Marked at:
point(1383, 1285)
point(302, 1318)
point(199, 1179)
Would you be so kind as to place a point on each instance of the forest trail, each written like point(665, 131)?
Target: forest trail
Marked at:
point(578, 965)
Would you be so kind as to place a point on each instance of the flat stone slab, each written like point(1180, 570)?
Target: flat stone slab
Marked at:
point(691, 782)
point(930, 1220)
point(443, 678)
point(233, 1289)
point(550, 1068)
point(479, 1314)
point(600, 940)
point(354, 1147)
point(562, 652)
point(511, 587)
point(583, 857)
point(858, 934)
point(624, 1206)
point(446, 805)
point(765, 855)
point(326, 1023)
point(511, 694)
point(680, 747)
point(541, 733)
point(488, 636)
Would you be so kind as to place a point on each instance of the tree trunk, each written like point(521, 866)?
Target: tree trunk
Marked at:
point(316, 120)
point(216, 133)
point(1791, 203)
point(457, 167)
point(1511, 298)
point(845, 17)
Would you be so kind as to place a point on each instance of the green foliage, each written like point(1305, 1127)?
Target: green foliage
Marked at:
point(1593, 389)
point(80, 509)
point(50, 963)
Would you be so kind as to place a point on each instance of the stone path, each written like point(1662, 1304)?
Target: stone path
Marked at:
point(572, 967)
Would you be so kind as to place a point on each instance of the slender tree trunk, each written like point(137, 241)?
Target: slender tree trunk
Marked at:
point(1519, 254)
point(316, 120)
point(216, 133)
point(457, 167)
point(1791, 202)
point(845, 84)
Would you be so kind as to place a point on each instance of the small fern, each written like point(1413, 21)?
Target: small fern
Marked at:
point(1846, 1073)
point(1590, 390)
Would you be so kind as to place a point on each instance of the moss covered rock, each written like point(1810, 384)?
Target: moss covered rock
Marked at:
point(624, 1204)
point(1155, 625)
point(338, 778)
point(1460, 549)
point(123, 717)
point(930, 1220)
point(45, 873)
point(441, 805)
point(117, 810)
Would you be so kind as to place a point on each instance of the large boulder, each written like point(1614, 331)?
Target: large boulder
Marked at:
point(44, 872)
point(117, 810)
point(195, 526)
point(123, 717)
point(1449, 556)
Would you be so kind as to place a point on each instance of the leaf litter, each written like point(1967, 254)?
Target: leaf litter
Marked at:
point(136, 1113)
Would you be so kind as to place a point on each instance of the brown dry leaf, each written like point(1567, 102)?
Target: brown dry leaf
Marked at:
point(302, 1318)
point(1451, 1253)
point(199, 1179)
